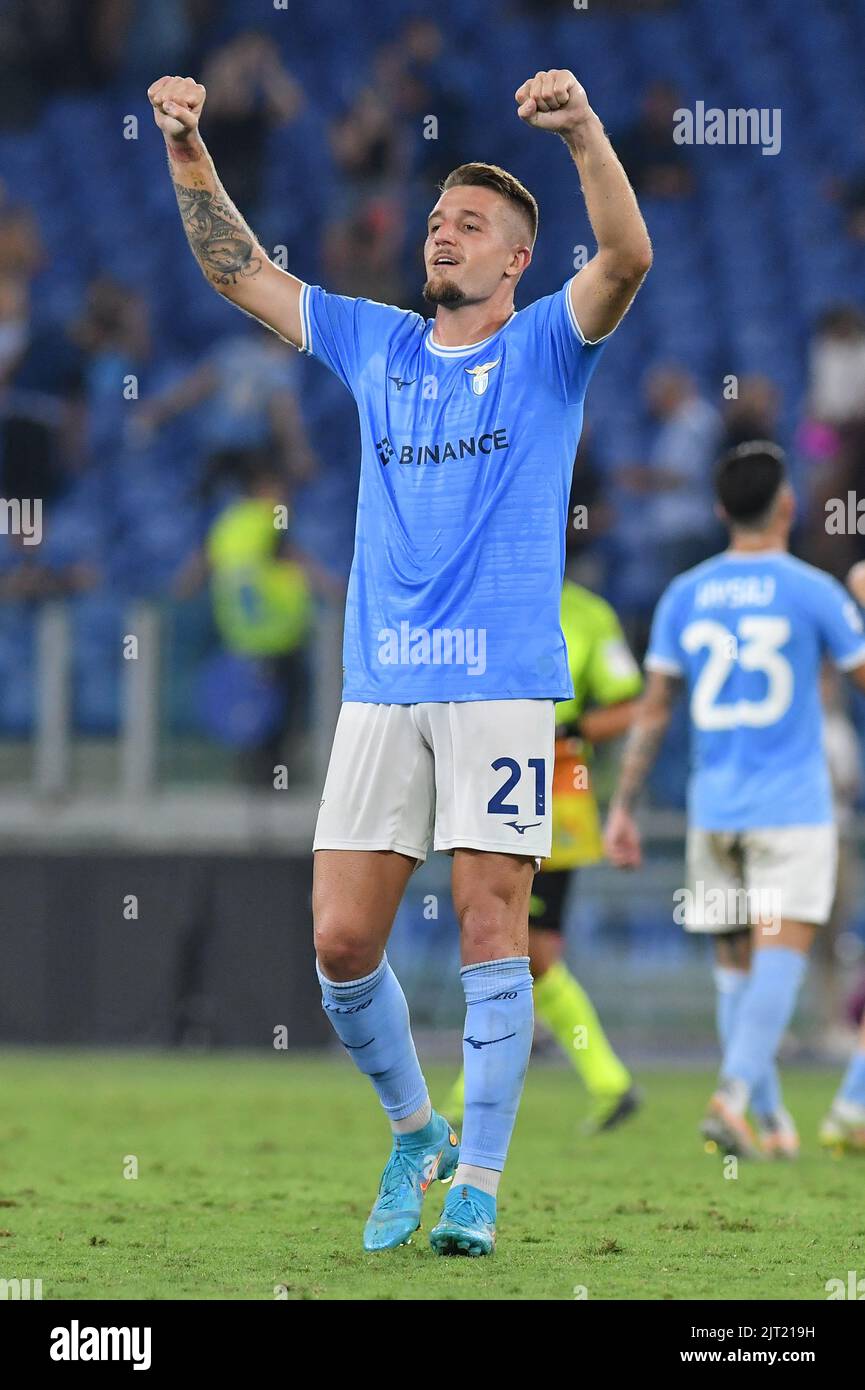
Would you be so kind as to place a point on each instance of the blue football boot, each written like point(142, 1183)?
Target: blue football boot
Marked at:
point(416, 1160)
point(467, 1225)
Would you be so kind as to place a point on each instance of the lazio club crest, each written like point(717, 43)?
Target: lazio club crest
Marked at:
point(481, 376)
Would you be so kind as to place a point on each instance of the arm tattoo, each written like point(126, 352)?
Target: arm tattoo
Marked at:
point(640, 752)
point(645, 737)
point(221, 242)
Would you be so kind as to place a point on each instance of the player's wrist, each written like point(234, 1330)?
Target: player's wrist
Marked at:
point(581, 130)
point(185, 148)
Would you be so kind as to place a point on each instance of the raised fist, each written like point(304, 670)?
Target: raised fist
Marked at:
point(177, 104)
point(552, 100)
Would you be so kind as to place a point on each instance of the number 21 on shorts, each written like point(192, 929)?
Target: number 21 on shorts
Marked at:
point(498, 804)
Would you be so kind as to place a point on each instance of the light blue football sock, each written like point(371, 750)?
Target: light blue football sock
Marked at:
point(496, 1044)
point(853, 1085)
point(370, 1018)
point(730, 986)
point(764, 1012)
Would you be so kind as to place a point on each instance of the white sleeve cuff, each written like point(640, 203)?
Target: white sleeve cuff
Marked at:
point(305, 327)
point(849, 663)
point(662, 664)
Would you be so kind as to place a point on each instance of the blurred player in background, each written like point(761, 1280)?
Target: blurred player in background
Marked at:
point(746, 632)
point(843, 760)
point(844, 1126)
point(454, 655)
point(606, 683)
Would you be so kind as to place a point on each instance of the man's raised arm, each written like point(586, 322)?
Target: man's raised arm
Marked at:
point(603, 290)
point(232, 259)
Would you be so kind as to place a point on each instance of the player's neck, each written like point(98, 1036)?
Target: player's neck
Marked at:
point(758, 541)
point(473, 323)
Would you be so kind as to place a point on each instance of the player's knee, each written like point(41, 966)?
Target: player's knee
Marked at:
point(342, 953)
point(490, 930)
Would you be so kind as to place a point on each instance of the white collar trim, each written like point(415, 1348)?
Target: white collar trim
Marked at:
point(441, 351)
point(752, 554)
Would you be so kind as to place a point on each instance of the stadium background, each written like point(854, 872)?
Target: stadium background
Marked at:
point(146, 853)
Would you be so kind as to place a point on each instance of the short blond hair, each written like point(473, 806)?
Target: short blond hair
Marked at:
point(500, 181)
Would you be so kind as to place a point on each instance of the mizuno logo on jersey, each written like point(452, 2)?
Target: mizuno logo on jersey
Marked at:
point(521, 829)
point(481, 376)
point(399, 383)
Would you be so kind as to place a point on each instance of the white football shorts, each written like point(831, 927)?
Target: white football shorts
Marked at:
point(735, 878)
point(470, 774)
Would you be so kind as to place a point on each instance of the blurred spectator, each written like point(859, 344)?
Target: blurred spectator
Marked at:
point(20, 102)
point(656, 166)
point(261, 586)
point(850, 193)
point(249, 382)
point(419, 75)
point(248, 93)
point(844, 758)
point(836, 389)
point(362, 242)
point(14, 324)
point(54, 46)
point(753, 414)
point(21, 256)
point(368, 144)
point(679, 522)
point(21, 251)
point(32, 574)
point(362, 252)
point(42, 408)
point(157, 37)
point(261, 603)
point(584, 560)
point(114, 322)
point(113, 332)
point(833, 435)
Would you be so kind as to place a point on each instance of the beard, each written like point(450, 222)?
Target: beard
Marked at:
point(447, 293)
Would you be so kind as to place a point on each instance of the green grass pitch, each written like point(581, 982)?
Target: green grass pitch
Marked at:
point(255, 1176)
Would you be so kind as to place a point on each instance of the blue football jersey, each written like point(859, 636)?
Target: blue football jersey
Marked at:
point(748, 634)
point(467, 456)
